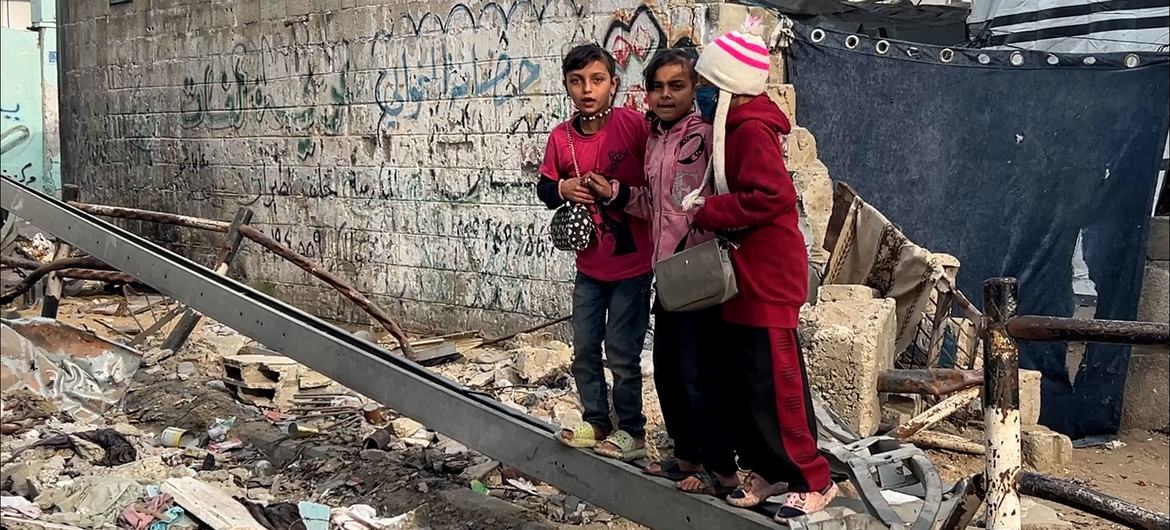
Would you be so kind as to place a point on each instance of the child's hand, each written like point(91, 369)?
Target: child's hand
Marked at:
point(575, 190)
point(693, 200)
point(600, 186)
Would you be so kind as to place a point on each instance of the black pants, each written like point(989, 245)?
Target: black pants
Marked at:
point(693, 381)
point(775, 424)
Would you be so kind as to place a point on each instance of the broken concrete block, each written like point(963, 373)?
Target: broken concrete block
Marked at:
point(1030, 397)
point(1036, 516)
point(1045, 450)
point(404, 427)
point(816, 195)
point(801, 149)
point(844, 292)
point(847, 344)
point(1158, 247)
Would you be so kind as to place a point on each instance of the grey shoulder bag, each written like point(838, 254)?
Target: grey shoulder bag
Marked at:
point(698, 277)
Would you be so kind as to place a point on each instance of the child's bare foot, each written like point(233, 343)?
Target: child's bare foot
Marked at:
point(672, 469)
point(709, 483)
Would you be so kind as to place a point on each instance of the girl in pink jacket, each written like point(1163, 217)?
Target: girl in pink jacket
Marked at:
point(688, 378)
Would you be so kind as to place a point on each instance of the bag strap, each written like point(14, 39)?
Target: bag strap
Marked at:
point(572, 148)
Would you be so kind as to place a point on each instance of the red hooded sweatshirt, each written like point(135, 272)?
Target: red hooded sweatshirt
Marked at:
point(760, 213)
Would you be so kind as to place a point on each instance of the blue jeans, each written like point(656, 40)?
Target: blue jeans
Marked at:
point(616, 313)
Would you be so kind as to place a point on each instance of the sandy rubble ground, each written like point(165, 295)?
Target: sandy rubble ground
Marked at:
point(529, 373)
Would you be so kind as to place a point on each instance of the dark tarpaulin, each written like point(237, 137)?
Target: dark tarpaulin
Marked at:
point(899, 19)
point(1002, 166)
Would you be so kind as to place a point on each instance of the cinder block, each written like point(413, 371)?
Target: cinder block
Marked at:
point(800, 149)
point(1158, 248)
point(1045, 450)
point(1030, 397)
point(847, 344)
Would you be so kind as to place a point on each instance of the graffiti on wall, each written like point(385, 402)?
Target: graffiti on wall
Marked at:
point(633, 38)
point(227, 96)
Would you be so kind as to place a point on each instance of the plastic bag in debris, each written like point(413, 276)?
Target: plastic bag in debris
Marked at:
point(81, 373)
point(365, 517)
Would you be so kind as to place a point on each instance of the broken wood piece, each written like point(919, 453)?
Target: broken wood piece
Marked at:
point(433, 355)
point(227, 251)
point(154, 328)
point(948, 442)
point(937, 413)
point(111, 327)
point(1075, 495)
point(209, 504)
point(55, 285)
point(933, 382)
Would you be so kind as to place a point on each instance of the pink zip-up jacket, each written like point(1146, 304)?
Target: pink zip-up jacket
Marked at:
point(676, 160)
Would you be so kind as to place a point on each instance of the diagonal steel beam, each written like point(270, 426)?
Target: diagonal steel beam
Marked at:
point(444, 405)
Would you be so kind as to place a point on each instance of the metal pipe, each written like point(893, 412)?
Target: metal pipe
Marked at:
point(932, 382)
point(154, 217)
point(1057, 329)
point(1087, 500)
point(1001, 404)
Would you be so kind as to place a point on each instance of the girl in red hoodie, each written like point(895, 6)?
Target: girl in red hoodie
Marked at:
point(755, 208)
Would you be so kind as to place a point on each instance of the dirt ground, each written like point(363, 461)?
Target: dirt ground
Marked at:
point(1138, 472)
point(333, 468)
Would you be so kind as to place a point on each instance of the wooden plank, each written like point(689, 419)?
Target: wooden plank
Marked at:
point(207, 503)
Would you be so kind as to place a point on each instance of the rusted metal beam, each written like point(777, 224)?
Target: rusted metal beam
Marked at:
point(68, 263)
point(937, 413)
point(337, 283)
point(154, 217)
point(933, 382)
point(1058, 329)
point(103, 275)
point(1075, 495)
point(1001, 404)
point(267, 242)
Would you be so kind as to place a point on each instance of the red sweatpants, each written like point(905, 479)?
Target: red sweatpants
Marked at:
point(775, 424)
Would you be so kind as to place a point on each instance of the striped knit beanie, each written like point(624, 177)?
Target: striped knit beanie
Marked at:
point(737, 62)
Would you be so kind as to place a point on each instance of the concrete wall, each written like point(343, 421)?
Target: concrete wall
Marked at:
point(397, 142)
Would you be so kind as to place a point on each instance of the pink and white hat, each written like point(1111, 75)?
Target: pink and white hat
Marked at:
point(737, 62)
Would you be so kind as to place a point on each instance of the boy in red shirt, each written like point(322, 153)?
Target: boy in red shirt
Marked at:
point(757, 210)
point(595, 158)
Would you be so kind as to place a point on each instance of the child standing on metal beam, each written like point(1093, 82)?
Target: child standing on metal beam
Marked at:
point(775, 427)
point(611, 293)
point(691, 380)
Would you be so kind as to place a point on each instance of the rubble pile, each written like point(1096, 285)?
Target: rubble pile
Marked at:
point(226, 434)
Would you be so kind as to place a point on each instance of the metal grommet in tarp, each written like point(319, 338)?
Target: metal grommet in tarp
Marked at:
point(1090, 60)
point(1132, 60)
point(817, 35)
point(1053, 59)
point(984, 58)
point(1017, 59)
point(946, 55)
point(882, 47)
point(852, 41)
